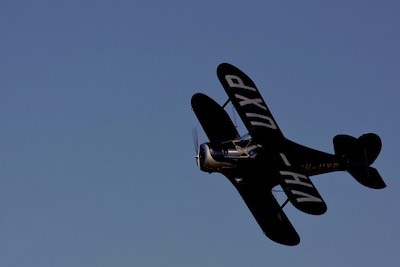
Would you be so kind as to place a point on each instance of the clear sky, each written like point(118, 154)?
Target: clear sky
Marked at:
point(96, 156)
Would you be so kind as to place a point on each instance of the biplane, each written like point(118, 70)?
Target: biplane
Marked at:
point(263, 159)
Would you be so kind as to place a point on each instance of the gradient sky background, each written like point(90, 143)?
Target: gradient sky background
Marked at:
point(96, 156)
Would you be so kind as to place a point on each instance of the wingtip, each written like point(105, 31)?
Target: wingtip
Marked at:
point(291, 242)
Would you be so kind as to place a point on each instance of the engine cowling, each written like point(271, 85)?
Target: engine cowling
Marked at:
point(211, 159)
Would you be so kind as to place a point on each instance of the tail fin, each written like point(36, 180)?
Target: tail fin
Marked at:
point(358, 154)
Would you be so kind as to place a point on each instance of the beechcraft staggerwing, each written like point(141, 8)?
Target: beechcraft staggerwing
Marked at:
point(263, 159)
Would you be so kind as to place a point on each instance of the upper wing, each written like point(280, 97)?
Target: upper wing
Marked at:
point(266, 210)
point(300, 190)
point(214, 119)
point(249, 104)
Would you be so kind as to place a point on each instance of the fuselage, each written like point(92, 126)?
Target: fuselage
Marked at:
point(237, 154)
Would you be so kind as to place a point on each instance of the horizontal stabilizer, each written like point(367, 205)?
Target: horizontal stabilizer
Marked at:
point(368, 177)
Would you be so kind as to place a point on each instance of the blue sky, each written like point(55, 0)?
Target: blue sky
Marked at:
point(96, 157)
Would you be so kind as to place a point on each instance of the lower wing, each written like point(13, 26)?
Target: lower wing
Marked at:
point(265, 209)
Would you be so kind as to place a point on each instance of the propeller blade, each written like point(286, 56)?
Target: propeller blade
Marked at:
point(195, 140)
point(196, 144)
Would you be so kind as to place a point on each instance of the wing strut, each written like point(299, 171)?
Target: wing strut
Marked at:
point(284, 204)
point(226, 103)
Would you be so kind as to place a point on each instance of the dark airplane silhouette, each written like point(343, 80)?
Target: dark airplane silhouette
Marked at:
point(258, 162)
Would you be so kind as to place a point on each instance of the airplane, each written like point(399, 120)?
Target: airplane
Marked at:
point(263, 159)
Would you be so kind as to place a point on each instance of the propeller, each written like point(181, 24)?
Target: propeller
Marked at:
point(196, 144)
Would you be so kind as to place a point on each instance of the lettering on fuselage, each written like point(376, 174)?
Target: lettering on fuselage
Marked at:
point(255, 119)
point(322, 167)
point(297, 179)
